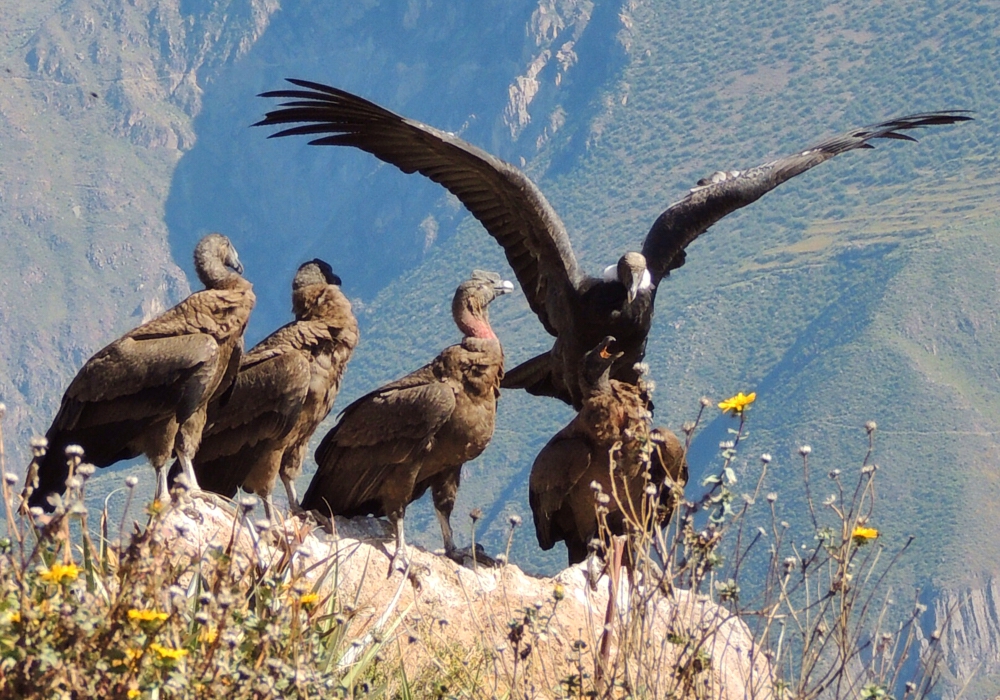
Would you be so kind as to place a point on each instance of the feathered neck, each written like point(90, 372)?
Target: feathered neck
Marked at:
point(209, 264)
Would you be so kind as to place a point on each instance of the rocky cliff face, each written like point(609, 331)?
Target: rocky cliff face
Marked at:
point(96, 110)
point(968, 622)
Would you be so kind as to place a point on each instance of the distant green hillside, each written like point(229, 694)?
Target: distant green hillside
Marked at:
point(865, 289)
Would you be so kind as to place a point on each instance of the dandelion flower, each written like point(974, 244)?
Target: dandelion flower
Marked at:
point(208, 635)
point(309, 598)
point(133, 693)
point(863, 535)
point(558, 592)
point(14, 617)
point(60, 572)
point(147, 615)
point(168, 653)
point(738, 403)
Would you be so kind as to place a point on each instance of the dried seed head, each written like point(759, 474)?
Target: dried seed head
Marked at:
point(765, 458)
point(834, 473)
point(705, 401)
point(131, 481)
point(500, 559)
point(39, 445)
point(205, 598)
point(86, 470)
point(514, 520)
point(476, 514)
point(74, 451)
point(3, 410)
point(74, 482)
point(201, 617)
point(870, 426)
point(789, 564)
point(36, 511)
point(248, 503)
point(772, 497)
point(911, 687)
point(641, 368)
point(603, 498)
point(805, 450)
point(595, 485)
point(10, 478)
point(262, 525)
point(650, 490)
point(688, 427)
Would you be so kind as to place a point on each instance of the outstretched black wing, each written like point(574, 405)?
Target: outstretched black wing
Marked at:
point(508, 204)
point(725, 192)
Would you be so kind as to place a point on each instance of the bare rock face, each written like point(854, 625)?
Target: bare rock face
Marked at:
point(533, 636)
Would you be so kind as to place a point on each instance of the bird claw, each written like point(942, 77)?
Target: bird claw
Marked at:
point(465, 557)
point(400, 562)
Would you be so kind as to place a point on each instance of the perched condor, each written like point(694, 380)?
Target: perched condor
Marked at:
point(579, 310)
point(148, 392)
point(614, 423)
point(285, 388)
point(415, 433)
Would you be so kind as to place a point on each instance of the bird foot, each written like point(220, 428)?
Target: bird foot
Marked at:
point(324, 522)
point(400, 562)
point(464, 557)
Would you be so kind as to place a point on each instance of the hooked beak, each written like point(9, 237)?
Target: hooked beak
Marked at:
point(633, 289)
point(233, 261)
point(606, 353)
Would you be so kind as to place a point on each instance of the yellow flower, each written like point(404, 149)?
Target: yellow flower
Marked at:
point(147, 615)
point(133, 693)
point(558, 592)
point(737, 403)
point(208, 635)
point(863, 535)
point(58, 572)
point(14, 617)
point(309, 598)
point(168, 652)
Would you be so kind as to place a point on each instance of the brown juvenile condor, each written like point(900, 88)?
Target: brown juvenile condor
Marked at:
point(615, 419)
point(579, 310)
point(147, 392)
point(415, 433)
point(285, 388)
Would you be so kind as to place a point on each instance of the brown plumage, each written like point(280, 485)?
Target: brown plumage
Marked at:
point(574, 307)
point(285, 387)
point(416, 433)
point(615, 420)
point(147, 392)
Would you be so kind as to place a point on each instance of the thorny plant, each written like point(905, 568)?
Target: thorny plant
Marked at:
point(820, 613)
point(135, 620)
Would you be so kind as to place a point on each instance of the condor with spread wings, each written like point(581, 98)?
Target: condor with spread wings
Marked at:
point(579, 310)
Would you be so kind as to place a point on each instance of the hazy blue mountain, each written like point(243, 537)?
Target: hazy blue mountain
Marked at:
point(865, 289)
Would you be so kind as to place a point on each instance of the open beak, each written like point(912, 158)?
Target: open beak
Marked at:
point(605, 352)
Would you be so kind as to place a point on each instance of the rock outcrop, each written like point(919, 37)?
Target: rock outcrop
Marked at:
point(535, 636)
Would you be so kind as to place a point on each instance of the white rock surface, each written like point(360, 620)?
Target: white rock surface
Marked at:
point(441, 607)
